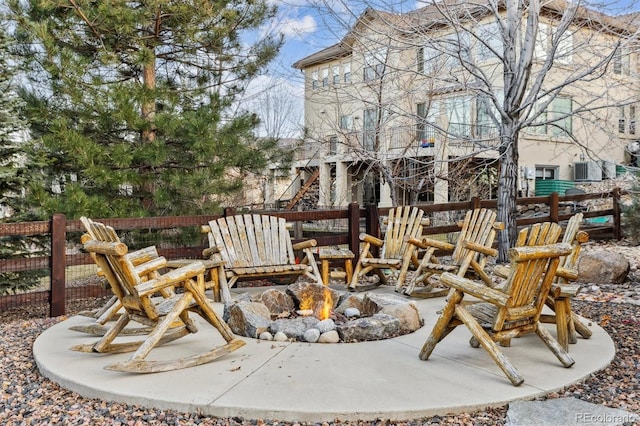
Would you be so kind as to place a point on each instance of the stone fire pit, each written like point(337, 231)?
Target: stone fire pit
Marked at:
point(312, 313)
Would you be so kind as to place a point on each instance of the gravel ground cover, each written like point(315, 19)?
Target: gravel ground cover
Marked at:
point(27, 398)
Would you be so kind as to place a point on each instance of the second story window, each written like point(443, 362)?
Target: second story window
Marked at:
point(325, 77)
point(346, 72)
point(489, 43)
point(622, 61)
point(333, 145)
point(632, 120)
point(346, 122)
point(314, 79)
point(622, 123)
point(370, 117)
point(374, 63)
point(335, 73)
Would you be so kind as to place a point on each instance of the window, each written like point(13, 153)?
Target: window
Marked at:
point(621, 120)
point(546, 172)
point(430, 59)
point(314, 79)
point(458, 111)
point(346, 122)
point(374, 63)
point(426, 115)
point(489, 41)
point(336, 74)
point(325, 77)
point(333, 145)
point(486, 112)
point(560, 116)
point(621, 61)
point(632, 120)
point(542, 42)
point(369, 127)
point(346, 72)
point(555, 120)
point(564, 52)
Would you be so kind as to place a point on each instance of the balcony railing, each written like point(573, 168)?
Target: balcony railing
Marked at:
point(422, 136)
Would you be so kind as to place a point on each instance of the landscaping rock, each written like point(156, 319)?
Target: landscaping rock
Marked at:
point(602, 267)
point(248, 319)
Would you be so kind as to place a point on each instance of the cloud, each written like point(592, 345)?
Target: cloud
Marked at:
point(294, 28)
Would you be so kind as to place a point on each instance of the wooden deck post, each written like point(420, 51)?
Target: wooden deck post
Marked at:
point(58, 265)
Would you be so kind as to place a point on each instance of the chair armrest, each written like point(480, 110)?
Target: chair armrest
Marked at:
point(480, 248)
point(568, 274)
point(371, 239)
point(305, 244)
point(141, 256)
point(429, 242)
point(478, 290)
point(106, 248)
point(151, 266)
point(171, 278)
point(502, 270)
point(210, 251)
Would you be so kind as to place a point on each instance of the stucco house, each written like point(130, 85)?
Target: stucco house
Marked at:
point(405, 107)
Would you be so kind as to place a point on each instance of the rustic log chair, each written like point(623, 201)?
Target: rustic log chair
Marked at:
point(257, 246)
point(113, 307)
point(503, 314)
point(167, 316)
point(559, 300)
point(396, 251)
point(474, 244)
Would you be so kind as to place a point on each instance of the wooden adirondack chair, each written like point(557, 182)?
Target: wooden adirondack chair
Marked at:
point(474, 244)
point(167, 316)
point(559, 299)
point(503, 314)
point(396, 252)
point(257, 246)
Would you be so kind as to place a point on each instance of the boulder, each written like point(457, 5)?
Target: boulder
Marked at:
point(248, 319)
point(602, 267)
point(277, 301)
point(406, 311)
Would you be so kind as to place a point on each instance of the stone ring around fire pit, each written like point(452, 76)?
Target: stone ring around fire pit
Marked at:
point(310, 312)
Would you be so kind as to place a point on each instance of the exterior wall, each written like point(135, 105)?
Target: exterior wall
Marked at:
point(402, 88)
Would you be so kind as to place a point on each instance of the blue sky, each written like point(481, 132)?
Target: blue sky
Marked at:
point(311, 25)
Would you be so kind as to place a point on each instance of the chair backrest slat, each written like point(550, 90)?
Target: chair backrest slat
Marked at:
point(252, 240)
point(402, 220)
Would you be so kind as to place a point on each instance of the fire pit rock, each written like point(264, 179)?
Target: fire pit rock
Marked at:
point(314, 313)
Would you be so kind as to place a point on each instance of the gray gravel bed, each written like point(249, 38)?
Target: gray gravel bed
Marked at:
point(27, 398)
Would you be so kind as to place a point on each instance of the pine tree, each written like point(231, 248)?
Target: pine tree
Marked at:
point(132, 103)
point(14, 174)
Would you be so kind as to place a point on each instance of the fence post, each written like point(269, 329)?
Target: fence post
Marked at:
point(228, 211)
point(353, 235)
point(554, 207)
point(58, 264)
point(474, 203)
point(373, 226)
point(617, 227)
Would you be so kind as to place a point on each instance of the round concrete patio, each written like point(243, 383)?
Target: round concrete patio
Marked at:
point(322, 382)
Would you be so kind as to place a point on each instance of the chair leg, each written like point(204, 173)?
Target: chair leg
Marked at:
point(162, 327)
point(553, 345)
point(489, 345)
point(439, 330)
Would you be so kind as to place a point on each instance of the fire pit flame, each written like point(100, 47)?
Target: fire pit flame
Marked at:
point(320, 308)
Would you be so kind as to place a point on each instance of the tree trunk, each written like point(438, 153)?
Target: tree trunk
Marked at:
point(148, 111)
point(507, 192)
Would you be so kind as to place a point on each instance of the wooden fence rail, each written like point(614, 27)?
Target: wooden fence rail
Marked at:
point(553, 208)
